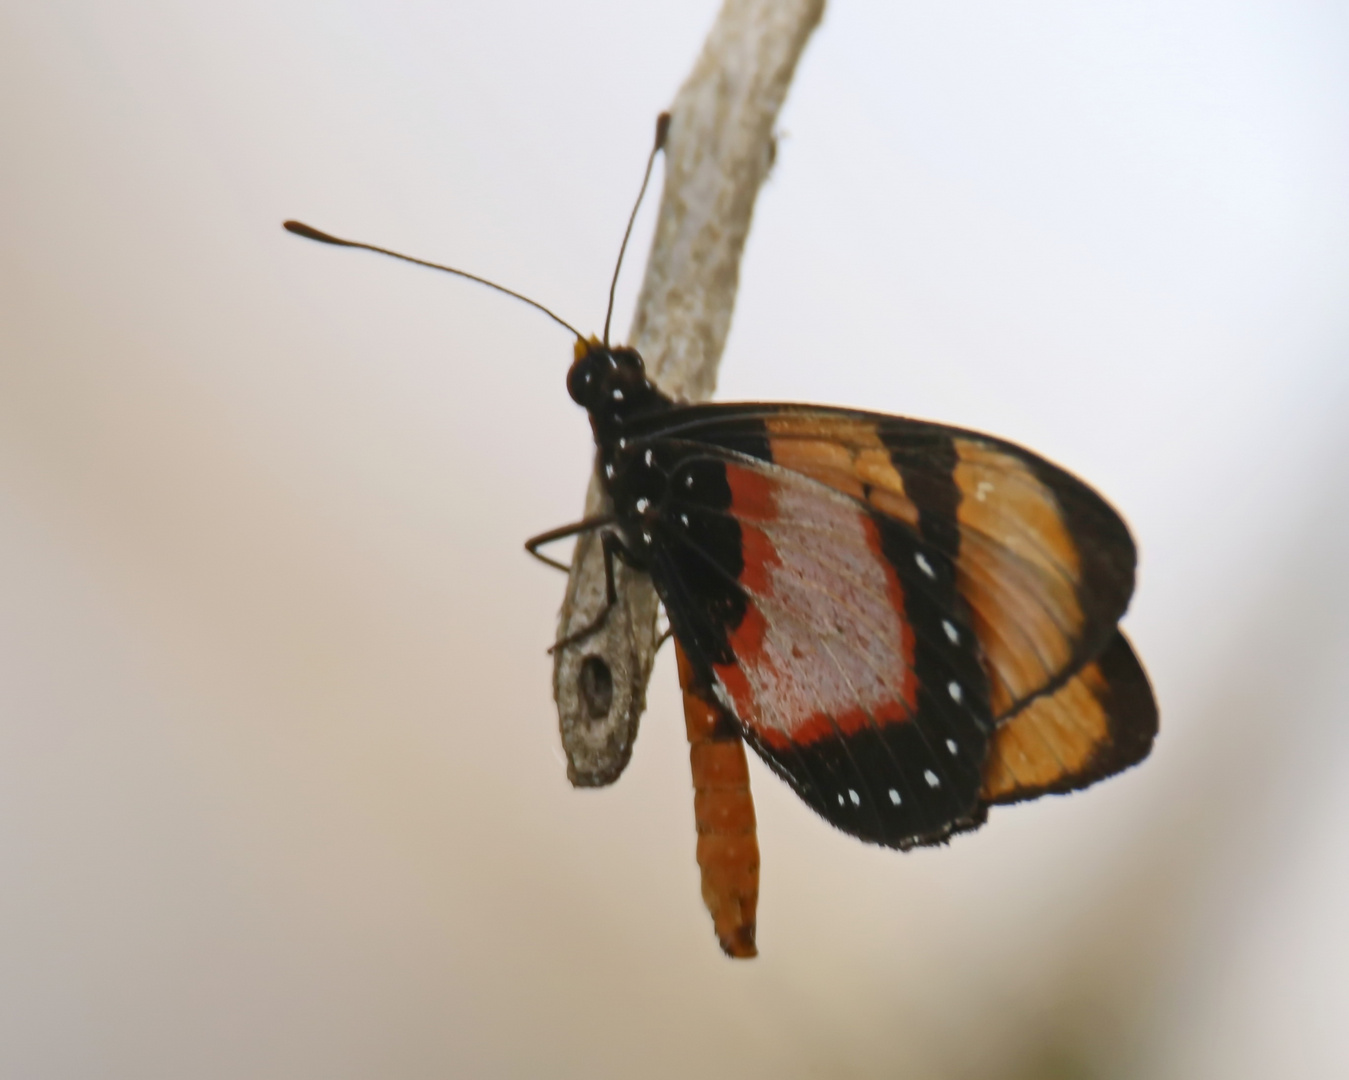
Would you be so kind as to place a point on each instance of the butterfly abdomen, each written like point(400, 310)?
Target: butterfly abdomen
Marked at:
point(723, 809)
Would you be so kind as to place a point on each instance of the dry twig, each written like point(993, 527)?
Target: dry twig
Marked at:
point(719, 150)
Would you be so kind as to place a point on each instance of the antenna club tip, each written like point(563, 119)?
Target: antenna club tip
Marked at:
point(662, 130)
point(299, 228)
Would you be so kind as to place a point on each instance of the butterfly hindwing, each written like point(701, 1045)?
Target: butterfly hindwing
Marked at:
point(1098, 723)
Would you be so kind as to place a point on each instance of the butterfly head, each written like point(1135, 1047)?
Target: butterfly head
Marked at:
point(610, 383)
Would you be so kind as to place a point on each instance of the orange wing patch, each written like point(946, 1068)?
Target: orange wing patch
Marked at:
point(1052, 737)
point(1019, 570)
point(1100, 721)
point(723, 810)
point(843, 452)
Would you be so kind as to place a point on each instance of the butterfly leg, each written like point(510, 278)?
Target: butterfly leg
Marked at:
point(612, 545)
point(585, 525)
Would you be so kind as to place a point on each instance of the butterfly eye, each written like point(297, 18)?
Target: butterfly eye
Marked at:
point(581, 379)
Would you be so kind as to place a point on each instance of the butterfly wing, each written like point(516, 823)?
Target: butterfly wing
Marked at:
point(872, 596)
point(1099, 722)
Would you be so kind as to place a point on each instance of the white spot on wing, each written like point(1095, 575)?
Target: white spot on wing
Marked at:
point(840, 798)
point(894, 797)
point(951, 632)
point(982, 490)
point(931, 778)
point(648, 457)
point(951, 746)
point(924, 565)
point(957, 695)
point(618, 394)
point(856, 798)
point(642, 504)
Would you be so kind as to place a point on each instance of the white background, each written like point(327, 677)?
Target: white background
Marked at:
point(280, 786)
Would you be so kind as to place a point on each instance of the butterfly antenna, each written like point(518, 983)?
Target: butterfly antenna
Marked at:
point(300, 229)
point(662, 130)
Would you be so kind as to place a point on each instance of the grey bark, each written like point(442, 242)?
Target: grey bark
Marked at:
point(719, 149)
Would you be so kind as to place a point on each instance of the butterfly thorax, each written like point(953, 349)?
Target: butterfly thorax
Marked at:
point(611, 384)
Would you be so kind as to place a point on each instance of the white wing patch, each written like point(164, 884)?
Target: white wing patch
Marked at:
point(825, 641)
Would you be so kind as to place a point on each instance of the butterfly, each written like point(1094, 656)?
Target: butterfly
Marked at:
point(908, 622)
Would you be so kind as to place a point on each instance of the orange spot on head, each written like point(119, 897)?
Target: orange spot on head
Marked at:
point(582, 346)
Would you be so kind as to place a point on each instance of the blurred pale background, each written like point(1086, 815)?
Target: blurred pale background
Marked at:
point(280, 786)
